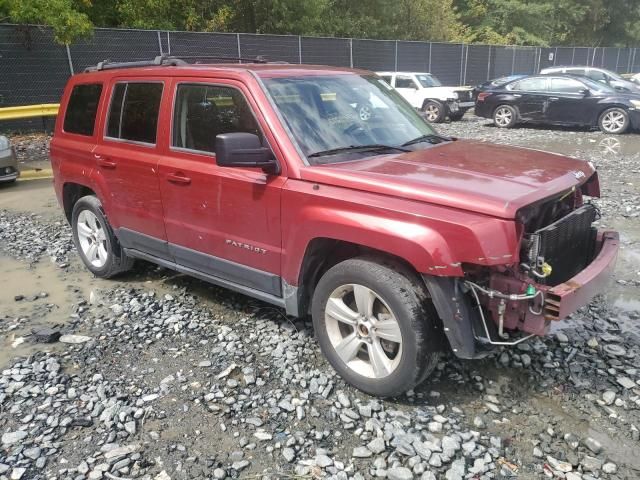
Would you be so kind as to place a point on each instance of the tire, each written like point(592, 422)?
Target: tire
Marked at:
point(396, 299)
point(614, 121)
point(433, 111)
point(505, 116)
point(91, 228)
point(454, 117)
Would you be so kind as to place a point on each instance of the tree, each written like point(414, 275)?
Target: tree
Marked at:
point(67, 21)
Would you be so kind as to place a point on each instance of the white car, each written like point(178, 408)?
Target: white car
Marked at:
point(636, 78)
point(425, 92)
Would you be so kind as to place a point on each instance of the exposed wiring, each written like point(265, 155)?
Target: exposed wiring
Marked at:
point(493, 293)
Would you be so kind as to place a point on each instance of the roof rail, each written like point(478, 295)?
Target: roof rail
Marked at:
point(171, 61)
point(157, 61)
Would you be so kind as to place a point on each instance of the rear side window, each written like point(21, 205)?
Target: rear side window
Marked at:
point(134, 112)
point(536, 84)
point(82, 108)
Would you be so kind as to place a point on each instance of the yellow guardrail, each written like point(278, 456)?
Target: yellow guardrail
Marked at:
point(29, 111)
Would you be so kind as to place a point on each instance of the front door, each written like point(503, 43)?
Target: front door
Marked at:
point(408, 88)
point(567, 102)
point(126, 161)
point(220, 221)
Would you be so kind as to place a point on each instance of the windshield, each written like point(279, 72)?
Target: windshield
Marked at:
point(332, 116)
point(428, 81)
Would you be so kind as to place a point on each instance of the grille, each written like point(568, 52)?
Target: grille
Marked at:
point(464, 95)
point(567, 244)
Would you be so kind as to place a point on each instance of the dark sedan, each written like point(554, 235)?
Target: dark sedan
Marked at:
point(560, 100)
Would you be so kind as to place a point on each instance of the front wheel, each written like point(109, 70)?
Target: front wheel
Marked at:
point(614, 120)
point(505, 116)
point(376, 326)
point(94, 238)
point(433, 111)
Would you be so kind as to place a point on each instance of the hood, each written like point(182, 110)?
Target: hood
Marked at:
point(440, 92)
point(476, 176)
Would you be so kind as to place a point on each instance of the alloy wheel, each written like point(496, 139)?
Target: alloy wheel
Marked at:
point(92, 238)
point(503, 116)
point(613, 121)
point(365, 113)
point(363, 331)
point(432, 112)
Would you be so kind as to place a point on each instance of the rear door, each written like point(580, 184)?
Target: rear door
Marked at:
point(567, 102)
point(126, 161)
point(530, 97)
point(76, 135)
point(220, 221)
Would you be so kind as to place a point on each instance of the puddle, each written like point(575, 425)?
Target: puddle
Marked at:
point(48, 296)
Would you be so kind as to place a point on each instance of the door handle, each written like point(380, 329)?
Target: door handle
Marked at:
point(553, 99)
point(517, 95)
point(104, 162)
point(178, 178)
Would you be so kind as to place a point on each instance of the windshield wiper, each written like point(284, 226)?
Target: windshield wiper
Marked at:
point(356, 148)
point(431, 138)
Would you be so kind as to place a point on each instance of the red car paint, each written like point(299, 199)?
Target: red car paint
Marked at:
point(439, 209)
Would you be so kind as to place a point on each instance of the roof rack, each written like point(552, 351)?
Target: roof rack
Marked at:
point(171, 61)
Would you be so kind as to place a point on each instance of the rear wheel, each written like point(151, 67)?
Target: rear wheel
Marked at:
point(614, 120)
point(454, 117)
point(376, 326)
point(94, 238)
point(505, 116)
point(433, 111)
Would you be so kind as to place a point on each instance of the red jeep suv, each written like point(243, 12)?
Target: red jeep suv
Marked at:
point(322, 191)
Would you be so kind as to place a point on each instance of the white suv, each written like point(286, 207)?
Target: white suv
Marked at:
point(425, 92)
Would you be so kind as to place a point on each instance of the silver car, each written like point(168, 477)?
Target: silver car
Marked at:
point(8, 161)
point(599, 75)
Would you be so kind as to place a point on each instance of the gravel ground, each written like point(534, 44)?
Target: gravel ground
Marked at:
point(159, 376)
point(31, 147)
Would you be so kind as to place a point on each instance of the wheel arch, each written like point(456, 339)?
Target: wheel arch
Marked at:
point(71, 193)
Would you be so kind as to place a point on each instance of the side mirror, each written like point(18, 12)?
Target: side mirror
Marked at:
point(240, 149)
point(584, 92)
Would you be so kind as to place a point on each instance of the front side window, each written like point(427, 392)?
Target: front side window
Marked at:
point(566, 85)
point(134, 112)
point(341, 111)
point(82, 108)
point(597, 76)
point(536, 84)
point(404, 81)
point(204, 111)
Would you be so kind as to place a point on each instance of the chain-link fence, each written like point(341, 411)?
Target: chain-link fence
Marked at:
point(34, 69)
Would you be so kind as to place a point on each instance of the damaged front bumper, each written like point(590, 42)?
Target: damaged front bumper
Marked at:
point(473, 323)
point(556, 302)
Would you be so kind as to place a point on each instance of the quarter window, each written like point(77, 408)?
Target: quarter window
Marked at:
point(80, 117)
point(134, 112)
point(204, 111)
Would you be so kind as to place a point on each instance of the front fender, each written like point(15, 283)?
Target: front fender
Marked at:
point(434, 240)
